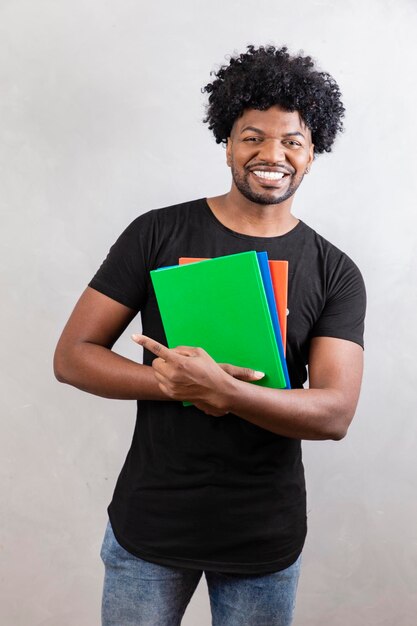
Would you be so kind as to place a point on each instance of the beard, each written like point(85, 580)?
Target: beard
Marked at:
point(263, 197)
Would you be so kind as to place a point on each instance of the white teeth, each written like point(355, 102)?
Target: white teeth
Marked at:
point(269, 175)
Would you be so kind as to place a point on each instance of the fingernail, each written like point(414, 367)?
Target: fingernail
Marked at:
point(136, 338)
point(259, 375)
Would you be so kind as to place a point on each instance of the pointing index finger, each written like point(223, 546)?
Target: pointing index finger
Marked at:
point(153, 346)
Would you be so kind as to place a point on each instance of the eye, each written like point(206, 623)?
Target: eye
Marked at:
point(252, 139)
point(292, 143)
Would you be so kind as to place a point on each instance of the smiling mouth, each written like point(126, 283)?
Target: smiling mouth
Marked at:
point(271, 178)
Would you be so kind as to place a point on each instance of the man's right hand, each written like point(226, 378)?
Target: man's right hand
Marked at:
point(190, 374)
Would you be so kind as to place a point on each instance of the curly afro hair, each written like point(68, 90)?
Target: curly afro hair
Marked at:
point(267, 76)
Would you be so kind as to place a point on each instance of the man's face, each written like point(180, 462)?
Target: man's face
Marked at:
point(269, 153)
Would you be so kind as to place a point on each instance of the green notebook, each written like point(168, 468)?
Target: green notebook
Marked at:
point(220, 305)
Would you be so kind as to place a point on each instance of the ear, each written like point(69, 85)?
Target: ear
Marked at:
point(229, 152)
point(310, 158)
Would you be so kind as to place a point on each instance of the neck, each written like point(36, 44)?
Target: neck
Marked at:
point(249, 218)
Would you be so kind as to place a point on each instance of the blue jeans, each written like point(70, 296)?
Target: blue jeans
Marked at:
point(140, 593)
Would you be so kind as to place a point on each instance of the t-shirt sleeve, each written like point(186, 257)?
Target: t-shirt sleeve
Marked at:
point(343, 314)
point(123, 275)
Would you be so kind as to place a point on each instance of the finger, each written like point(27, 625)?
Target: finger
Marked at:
point(168, 374)
point(164, 389)
point(190, 351)
point(153, 346)
point(161, 379)
point(185, 350)
point(242, 373)
point(160, 365)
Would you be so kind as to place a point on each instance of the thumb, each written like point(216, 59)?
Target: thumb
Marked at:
point(242, 373)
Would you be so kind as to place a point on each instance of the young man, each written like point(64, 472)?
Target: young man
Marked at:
point(218, 487)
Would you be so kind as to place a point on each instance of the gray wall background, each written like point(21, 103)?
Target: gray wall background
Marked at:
point(100, 120)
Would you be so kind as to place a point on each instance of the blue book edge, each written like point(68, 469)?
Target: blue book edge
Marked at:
point(270, 296)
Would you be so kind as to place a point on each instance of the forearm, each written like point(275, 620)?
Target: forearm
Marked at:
point(297, 413)
point(98, 370)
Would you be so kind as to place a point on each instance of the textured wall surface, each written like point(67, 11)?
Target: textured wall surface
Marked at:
point(100, 120)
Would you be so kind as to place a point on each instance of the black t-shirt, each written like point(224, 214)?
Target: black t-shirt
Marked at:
point(221, 493)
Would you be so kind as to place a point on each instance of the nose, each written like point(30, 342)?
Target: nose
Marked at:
point(272, 151)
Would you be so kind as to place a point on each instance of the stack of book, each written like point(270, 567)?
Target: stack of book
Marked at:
point(233, 306)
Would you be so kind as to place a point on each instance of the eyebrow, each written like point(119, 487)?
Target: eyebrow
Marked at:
point(296, 133)
point(254, 129)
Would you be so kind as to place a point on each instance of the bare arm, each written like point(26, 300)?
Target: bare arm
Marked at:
point(324, 411)
point(83, 357)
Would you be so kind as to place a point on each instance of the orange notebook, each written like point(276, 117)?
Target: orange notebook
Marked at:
point(279, 276)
